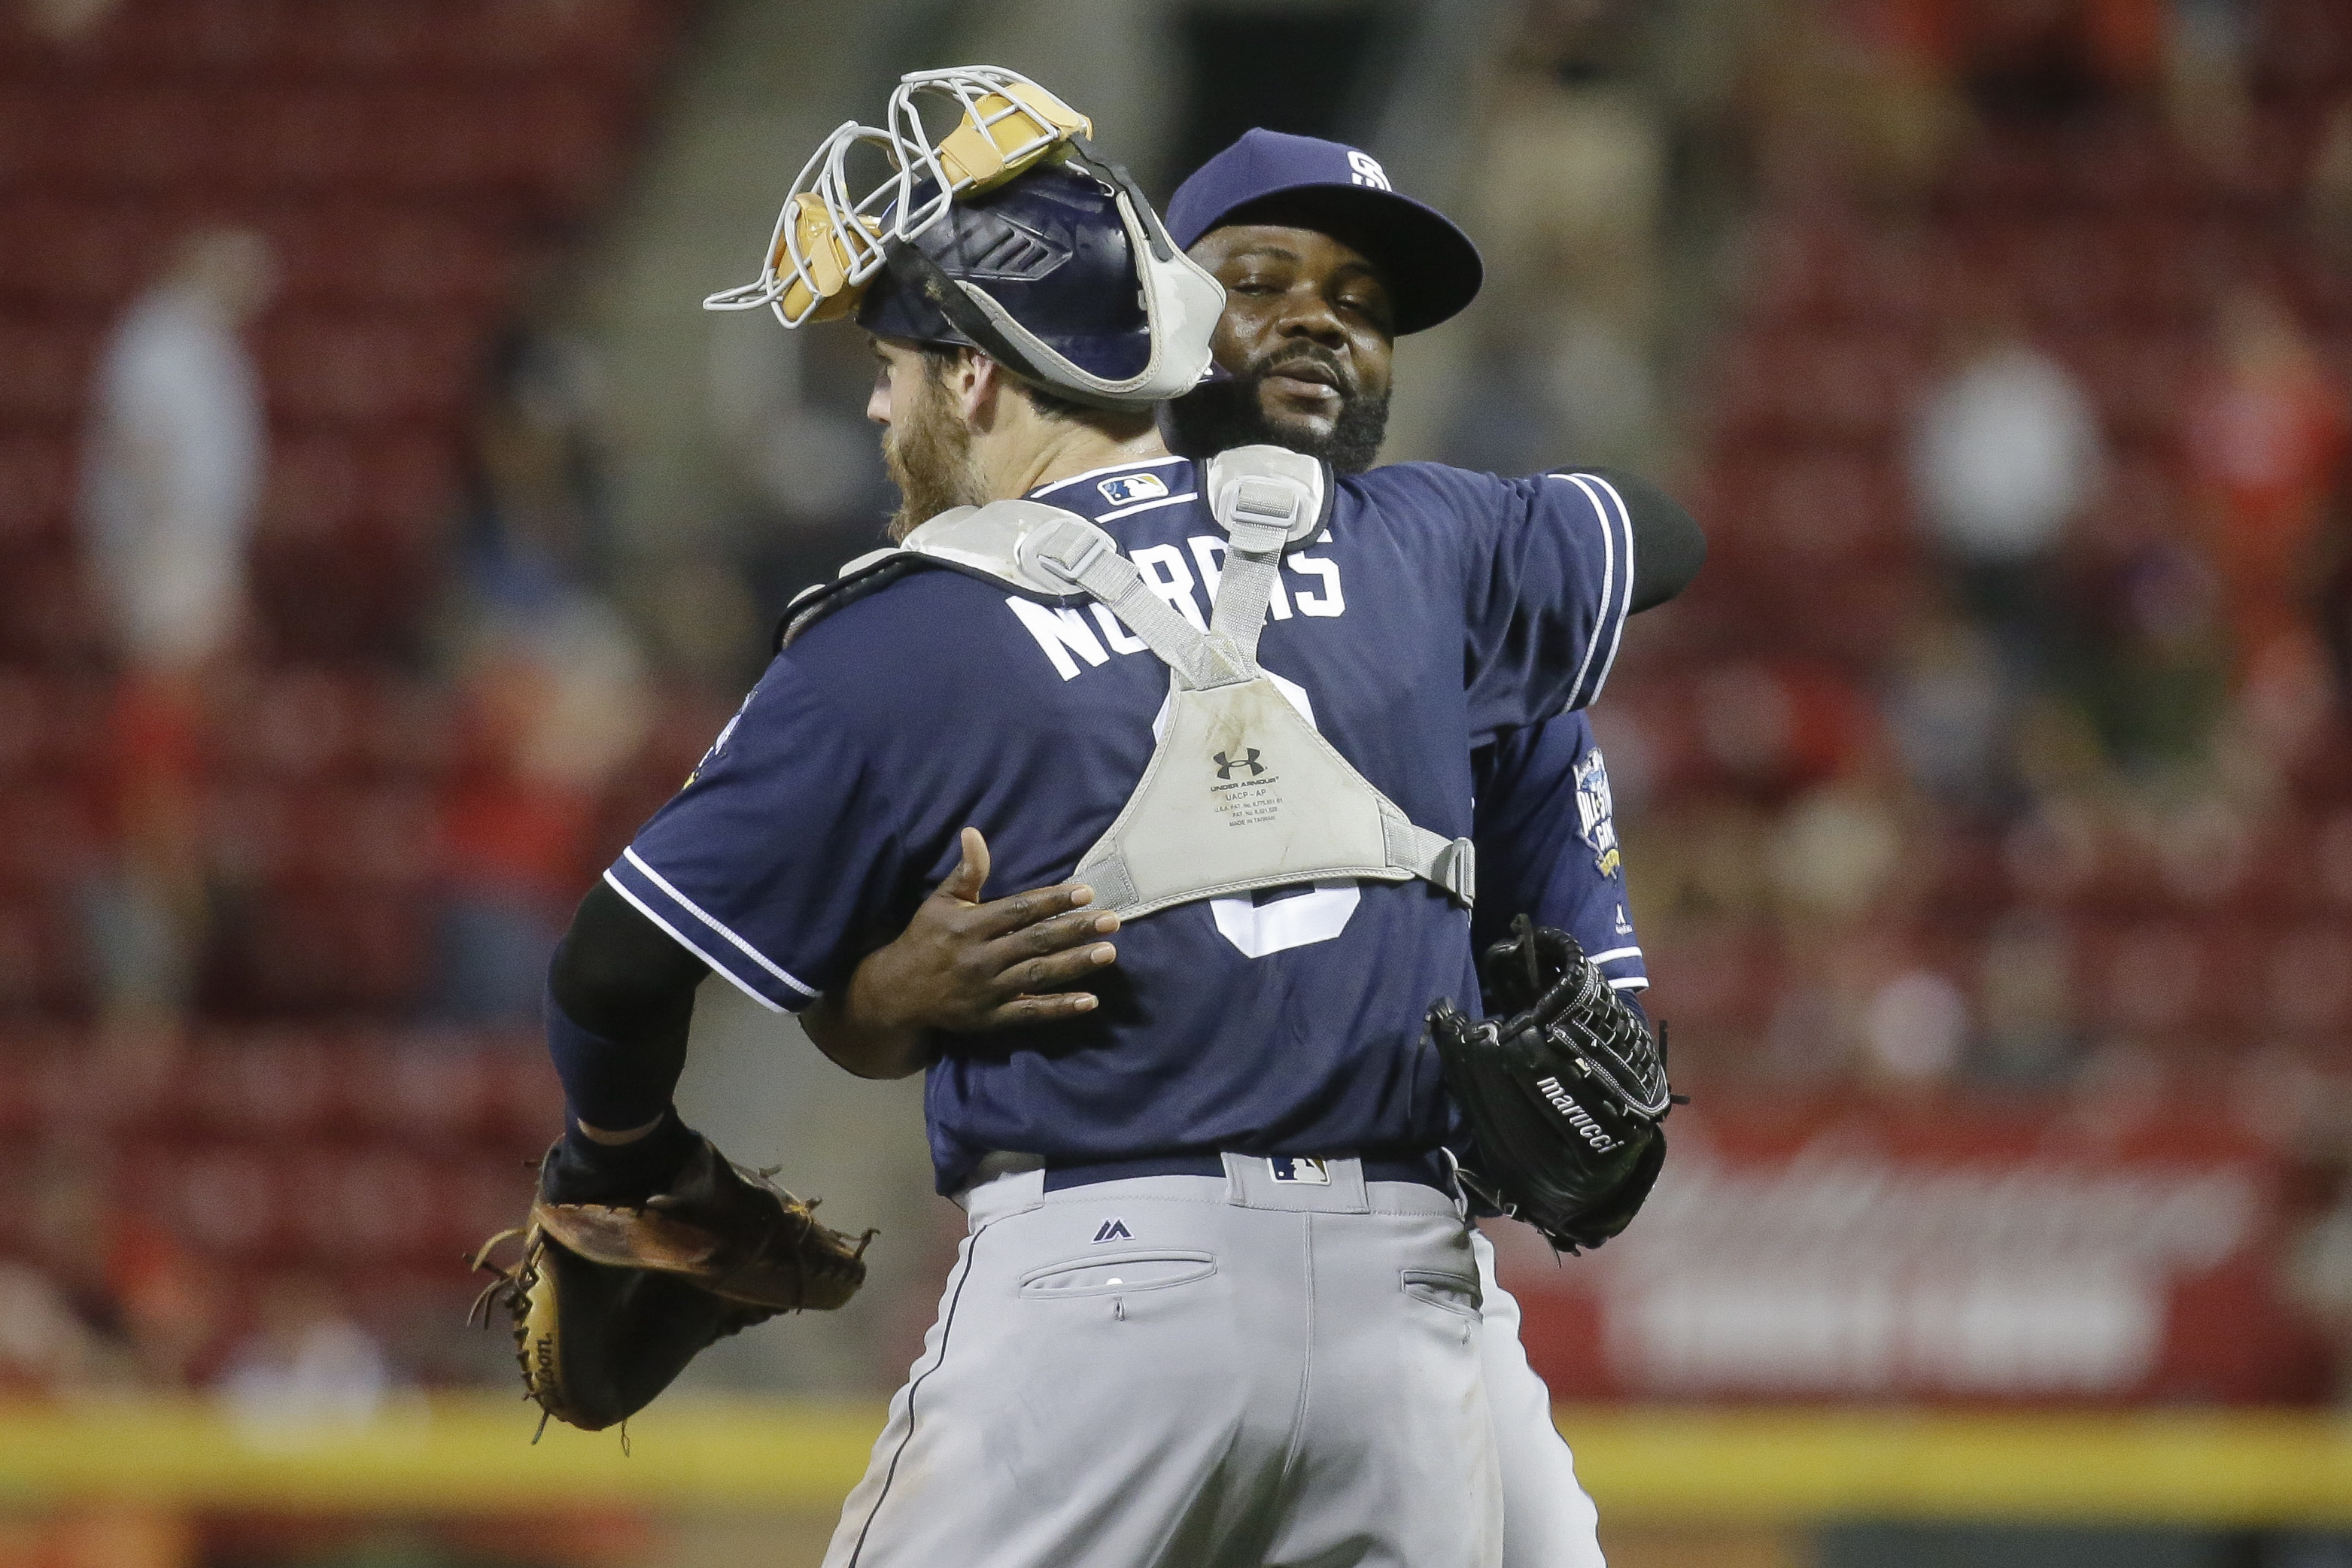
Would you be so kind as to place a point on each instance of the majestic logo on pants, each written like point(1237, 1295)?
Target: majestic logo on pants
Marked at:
point(1114, 1231)
point(1226, 764)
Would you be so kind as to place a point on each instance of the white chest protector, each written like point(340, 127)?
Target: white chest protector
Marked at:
point(1241, 793)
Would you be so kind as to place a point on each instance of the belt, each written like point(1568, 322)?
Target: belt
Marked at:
point(1428, 1170)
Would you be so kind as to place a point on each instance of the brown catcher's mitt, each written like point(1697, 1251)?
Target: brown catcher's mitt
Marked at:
point(610, 1303)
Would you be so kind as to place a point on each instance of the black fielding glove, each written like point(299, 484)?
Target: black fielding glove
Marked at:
point(1564, 1089)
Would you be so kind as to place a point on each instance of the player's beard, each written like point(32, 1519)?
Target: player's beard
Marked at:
point(927, 450)
point(1219, 414)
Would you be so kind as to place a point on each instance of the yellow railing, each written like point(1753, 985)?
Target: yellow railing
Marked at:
point(475, 1455)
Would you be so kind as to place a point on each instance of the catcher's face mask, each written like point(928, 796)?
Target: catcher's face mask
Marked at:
point(830, 243)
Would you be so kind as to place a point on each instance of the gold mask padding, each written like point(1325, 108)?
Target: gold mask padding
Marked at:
point(983, 152)
point(827, 255)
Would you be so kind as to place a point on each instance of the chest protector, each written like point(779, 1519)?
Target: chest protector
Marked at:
point(1242, 792)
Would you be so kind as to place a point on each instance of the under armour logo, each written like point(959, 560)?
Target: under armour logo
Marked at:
point(1225, 766)
point(1114, 1231)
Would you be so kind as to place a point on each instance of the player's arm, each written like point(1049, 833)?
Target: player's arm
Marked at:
point(762, 867)
point(620, 998)
point(1551, 566)
point(1668, 545)
point(1548, 846)
point(964, 966)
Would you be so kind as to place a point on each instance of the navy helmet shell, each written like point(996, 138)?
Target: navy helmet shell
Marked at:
point(1050, 247)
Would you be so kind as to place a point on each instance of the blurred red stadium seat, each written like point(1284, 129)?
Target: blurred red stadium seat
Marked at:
point(347, 367)
point(313, 952)
point(50, 359)
point(227, 1200)
point(272, 1084)
point(51, 835)
point(43, 969)
point(37, 490)
point(2306, 991)
point(371, 1202)
point(294, 722)
point(424, 1087)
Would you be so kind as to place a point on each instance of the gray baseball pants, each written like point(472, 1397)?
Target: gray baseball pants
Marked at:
point(1549, 1520)
point(1183, 1371)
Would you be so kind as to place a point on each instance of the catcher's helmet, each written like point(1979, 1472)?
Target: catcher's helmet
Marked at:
point(1050, 251)
point(1010, 234)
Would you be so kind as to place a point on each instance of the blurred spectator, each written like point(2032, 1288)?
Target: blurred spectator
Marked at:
point(1915, 1030)
point(173, 463)
point(46, 1347)
point(2005, 455)
point(1774, 728)
point(307, 1365)
point(2151, 674)
point(65, 21)
point(1947, 711)
point(1836, 853)
point(2026, 997)
point(554, 688)
point(1570, 186)
point(2266, 439)
point(556, 701)
point(535, 515)
point(2034, 60)
point(100, 1295)
point(172, 472)
point(812, 492)
point(2327, 201)
point(2206, 86)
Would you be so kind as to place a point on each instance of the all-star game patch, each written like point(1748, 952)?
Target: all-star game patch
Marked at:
point(1597, 811)
point(720, 744)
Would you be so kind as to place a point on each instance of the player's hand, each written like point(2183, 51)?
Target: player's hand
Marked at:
point(968, 967)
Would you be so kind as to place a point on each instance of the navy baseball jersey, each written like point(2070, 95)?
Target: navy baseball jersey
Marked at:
point(1438, 610)
point(1547, 834)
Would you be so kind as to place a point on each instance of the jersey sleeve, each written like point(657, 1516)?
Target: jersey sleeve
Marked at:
point(763, 863)
point(1546, 834)
point(1546, 570)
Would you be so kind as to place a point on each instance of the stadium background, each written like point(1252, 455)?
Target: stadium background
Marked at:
point(1999, 897)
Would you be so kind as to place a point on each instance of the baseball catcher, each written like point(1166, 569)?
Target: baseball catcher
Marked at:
point(610, 1300)
point(1563, 1086)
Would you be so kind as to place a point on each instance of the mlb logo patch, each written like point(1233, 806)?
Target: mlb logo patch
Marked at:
point(1298, 1168)
point(1129, 487)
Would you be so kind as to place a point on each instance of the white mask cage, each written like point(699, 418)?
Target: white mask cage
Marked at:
point(829, 242)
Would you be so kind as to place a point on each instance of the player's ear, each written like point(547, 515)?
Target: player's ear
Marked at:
point(977, 382)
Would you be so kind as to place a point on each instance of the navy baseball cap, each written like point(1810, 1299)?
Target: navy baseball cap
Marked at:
point(1305, 182)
